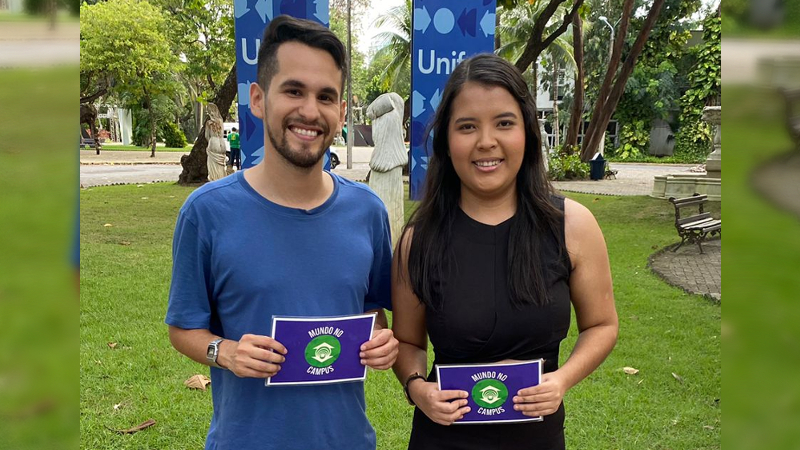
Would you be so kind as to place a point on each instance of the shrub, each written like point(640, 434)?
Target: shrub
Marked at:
point(567, 166)
point(173, 136)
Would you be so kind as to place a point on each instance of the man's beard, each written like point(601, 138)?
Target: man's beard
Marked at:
point(299, 157)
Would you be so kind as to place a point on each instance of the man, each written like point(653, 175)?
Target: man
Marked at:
point(258, 244)
point(236, 155)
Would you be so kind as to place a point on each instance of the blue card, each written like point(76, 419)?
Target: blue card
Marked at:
point(492, 388)
point(321, 350)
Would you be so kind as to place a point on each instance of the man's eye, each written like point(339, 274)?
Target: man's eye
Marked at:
point(293, 92)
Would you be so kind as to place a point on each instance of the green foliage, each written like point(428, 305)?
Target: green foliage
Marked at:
point(566, 164)
point(634, 138)
point(694, 136)
point(393, 58)
point(42, 6)
point(173, 136)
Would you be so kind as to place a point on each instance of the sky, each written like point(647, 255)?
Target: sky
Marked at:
point(368, 31)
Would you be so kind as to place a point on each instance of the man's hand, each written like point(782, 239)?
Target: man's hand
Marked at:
point(541, 400)
point(253, 356)
point(380, 352)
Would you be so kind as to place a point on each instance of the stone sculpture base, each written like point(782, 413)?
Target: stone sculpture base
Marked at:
point(685, 185)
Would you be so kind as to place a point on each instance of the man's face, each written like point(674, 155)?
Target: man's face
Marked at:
point(302, 109)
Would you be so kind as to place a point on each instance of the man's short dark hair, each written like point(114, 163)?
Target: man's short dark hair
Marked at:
point(234, 129)
point(290, 29)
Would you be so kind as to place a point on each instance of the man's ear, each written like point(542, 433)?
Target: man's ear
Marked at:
point(257, 100)
point(342, 114)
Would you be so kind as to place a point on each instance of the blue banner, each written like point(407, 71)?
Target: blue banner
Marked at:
point(251, 18)
point(445, 33)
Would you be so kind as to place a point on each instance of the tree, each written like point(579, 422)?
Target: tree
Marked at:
point(395, 46)
point(537, 41)
point(194, 165)
point(614, 83)
point(203, 34)
point(125, 43)
point(576, 114)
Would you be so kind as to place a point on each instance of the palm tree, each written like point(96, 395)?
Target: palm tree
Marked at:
point(395, 44)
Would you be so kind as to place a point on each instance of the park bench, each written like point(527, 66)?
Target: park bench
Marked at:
point(694, 228)
point(792, 98)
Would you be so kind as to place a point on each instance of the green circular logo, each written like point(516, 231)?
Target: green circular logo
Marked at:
point(490, 393)
point(323, 351)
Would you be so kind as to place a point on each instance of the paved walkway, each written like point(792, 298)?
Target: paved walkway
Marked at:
point(687, 268)
point(34, 44)
point(692, 271)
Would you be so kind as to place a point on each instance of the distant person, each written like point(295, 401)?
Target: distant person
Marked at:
point(236, 153)
point(489, 265)
point(257, 244)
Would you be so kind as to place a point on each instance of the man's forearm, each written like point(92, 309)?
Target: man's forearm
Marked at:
point(194, 344)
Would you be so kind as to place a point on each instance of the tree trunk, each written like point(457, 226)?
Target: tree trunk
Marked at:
point(556, 131)
point(575, 117)
point(497, 42)
point(195, 169)
point(605, 106)
point(537, 42)
point(152, 115)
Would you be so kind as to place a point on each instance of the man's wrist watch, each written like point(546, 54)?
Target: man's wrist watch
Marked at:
point(412, 377)
point(212, 353)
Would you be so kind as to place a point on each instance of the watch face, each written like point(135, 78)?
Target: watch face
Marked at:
point(210, 352)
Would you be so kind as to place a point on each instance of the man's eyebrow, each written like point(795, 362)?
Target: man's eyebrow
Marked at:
point(293, 83)
point(331, 91)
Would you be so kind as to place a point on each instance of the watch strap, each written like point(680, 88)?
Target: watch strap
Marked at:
point(213, 353)
point(412, 377)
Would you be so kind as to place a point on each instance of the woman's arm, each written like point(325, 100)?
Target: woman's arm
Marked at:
point(408, 325)
point(592, 296)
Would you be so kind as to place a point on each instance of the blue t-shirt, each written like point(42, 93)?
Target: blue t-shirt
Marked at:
point(239, 259)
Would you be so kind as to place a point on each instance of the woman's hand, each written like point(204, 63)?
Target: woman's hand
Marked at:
point(442, 407)
point(541, 400)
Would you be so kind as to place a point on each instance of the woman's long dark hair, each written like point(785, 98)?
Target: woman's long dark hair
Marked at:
point(429, 257)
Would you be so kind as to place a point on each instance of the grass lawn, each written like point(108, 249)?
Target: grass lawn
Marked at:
point(135, 148)
point(125, 273)
point(762, 254)
point(38, 301)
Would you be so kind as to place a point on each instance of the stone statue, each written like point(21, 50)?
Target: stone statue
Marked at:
point(215, 151)
point(389, 157)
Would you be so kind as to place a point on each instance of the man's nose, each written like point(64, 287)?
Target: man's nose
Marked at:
point(309, 109)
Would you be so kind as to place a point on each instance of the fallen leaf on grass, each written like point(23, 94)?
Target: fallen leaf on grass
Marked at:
point(124, 243)
point(137, 428)
point(117, 406)
point(197, 382)
point(112, 345)
point(108, 225)
point(630, 370)
point(708, 427)
point(677, 377)
point(145, 198)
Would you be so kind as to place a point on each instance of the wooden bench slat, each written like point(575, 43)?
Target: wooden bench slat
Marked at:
point(694, 219)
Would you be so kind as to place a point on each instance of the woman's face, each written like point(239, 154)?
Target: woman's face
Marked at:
point(486, 135)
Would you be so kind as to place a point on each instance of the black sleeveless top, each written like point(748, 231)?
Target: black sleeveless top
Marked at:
point(476, 322)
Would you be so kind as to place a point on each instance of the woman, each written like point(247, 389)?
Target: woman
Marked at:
point(215, 151)
point(489, 263)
